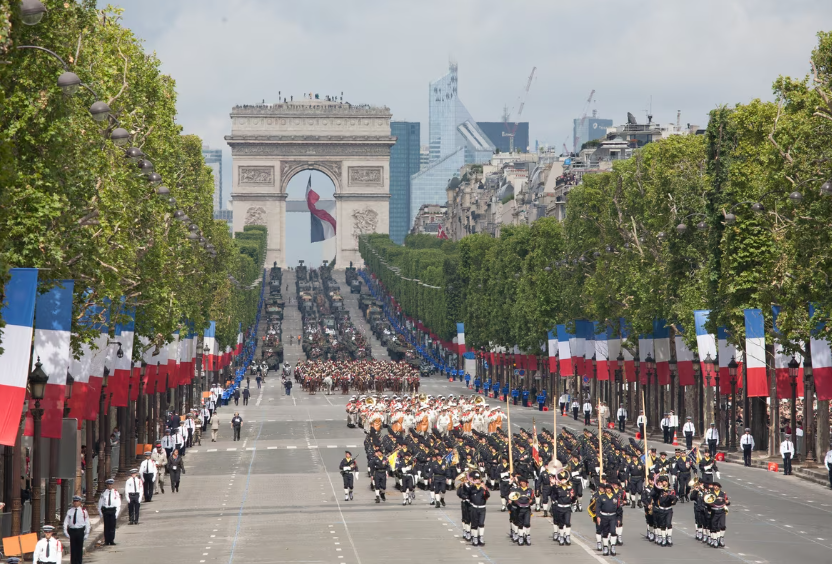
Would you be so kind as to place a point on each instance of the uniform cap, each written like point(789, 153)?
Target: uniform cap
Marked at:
point(134, 470)
point(77, 498)
point(109, 481)
point(47, 529)
point(13, 560)
point(148, 453)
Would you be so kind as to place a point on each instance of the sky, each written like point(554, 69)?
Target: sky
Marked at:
point(639, 55)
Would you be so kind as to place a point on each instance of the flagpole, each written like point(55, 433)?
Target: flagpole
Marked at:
point(510, 453)
point(555, 434)
point(644, 437)
point(600, 447)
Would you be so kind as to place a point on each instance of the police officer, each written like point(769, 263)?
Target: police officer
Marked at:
point(787, 452)
point(168, 443)
point(641, 423)
point(133, 490)
point(349, 470)
point(149, 475)
point(712, 438)
point(48, 549)
point(622, 418)
point(77, 529)
point(747, 444)
point(587, 412)
point(109, 506)
point(689, 430)
point(575, 409)
point(236, 425)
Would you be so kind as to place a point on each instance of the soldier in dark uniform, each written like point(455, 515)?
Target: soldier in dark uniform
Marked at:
point(707, 468)
point(664, 498)
point(696, 495)
point(405, 467)
point(563, 498)
point(462, 492)
point(576, 471)
point(635, 482)
point(606, 507)
point(348, 468)
point(478, 495)
point(505, 483)
point(718, 507)
point(682, 470)
point(379, 470)
point(646, 502)
point(524, 497)
point(439, 468)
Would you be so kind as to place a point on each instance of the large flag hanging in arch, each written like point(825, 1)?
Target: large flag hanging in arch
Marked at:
point(323, 224)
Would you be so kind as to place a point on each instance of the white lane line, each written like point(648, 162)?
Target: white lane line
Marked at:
point(291, 447)
point(251, 448)
point(211, 450)
point(271, 448)
point(231, 449)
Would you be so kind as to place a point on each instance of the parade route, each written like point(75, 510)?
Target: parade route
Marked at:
point(276, 496)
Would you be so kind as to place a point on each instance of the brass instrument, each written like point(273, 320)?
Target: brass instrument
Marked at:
point(590, 510)
point(479, 400)
point(423, 398)
point(709, 498)
point(514, 496)
point(693, 482)
point(370, 401)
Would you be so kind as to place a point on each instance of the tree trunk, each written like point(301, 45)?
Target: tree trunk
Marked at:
point(822, 442)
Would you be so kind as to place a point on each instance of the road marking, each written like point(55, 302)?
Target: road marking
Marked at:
point(271, 448)
point(251, 448)
point(211, 450)
point(291, 446)
point(230, 449)
point(331, 446)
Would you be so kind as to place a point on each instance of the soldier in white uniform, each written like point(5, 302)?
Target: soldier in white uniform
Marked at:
point(148, 472)
point(109, 506)
point(77, 529)
point(134, 492)
point(48, 549)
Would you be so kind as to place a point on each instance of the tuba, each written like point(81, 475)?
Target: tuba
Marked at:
point(370, 401)
point(709, 498)
point(479, 400)
point(693, 482)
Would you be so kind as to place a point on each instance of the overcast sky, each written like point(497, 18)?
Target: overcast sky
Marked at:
point(688, 56)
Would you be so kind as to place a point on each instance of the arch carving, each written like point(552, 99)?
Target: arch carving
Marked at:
point(288, 169)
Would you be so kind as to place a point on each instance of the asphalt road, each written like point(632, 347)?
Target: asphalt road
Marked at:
point(276, 497)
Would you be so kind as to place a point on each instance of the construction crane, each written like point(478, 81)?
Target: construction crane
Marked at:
point(576, 144)
point(511, 130)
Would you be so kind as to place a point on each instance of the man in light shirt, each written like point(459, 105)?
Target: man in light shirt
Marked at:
point(689, 430)
point(665, 425)
point(747, 444)
point(641, 423)
point(828, 463)
point(712, 438)
point(622, 418)
point(587, 412)
point(787, 452)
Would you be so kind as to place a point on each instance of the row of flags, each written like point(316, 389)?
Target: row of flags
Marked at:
point(48, 318)
point(573, 351)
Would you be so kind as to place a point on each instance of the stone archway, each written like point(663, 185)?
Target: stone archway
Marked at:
point(351, 145)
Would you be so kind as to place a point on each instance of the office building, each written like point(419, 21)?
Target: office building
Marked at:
point(454, 140)
point(404, 163)
point(498, 133)
point(213, 158)
point(424, 157)
point(588, 129)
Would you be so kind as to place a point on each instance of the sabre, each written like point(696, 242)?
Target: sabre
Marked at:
point(600, 447)
point(644, 437)
point(510, 453)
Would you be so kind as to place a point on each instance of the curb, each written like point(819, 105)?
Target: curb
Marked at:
point(815, 476)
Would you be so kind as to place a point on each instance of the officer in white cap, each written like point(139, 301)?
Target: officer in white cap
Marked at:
point(49, 549)
point(134, 492)
point(109, 506)
point(77, 529)
point(149, 473)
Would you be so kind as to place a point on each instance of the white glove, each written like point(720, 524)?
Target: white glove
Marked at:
point(356, 474)
point(717, 475)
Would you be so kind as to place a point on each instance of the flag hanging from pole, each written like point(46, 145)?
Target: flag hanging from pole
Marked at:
point(781, 363)
point(18, 312)
point(323, 224)
point(755, 354)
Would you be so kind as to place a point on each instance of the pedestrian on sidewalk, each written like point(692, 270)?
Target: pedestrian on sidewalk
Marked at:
point(236, 425)
point(787, 452)
point(246, 395)
point(215, 427)
point(747, 444)
point(77, 529)
point(176, 467)
point(258, 381)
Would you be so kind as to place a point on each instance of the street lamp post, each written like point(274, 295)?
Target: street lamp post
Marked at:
point(102, 434)
point(649, 368)
point(633, 395)
point(794, 366)
point(718, 407)
point(37, 389)
point(700, 392)
point(732, 373)
point(808, 411)
point(619, 382)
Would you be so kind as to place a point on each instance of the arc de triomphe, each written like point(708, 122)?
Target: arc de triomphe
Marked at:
point(271, 143)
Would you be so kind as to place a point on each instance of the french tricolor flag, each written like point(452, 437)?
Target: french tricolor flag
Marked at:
point(150, 367)
point(727, 351)
point(603, 337)
point(184, 358)
point(577, 344)
point(661, 344)
point(135, 380)
point(552, 351)
point(755, 354)
point(781, 364)
point(460, 337)
point(323, 224)
point(684, 360)
point(705, 342)
point(646, 349)
point(173, 360)
point(629, 359)
point(239, 350)
point(81, 368)
point(210, 339)
point(96, 368)
point(564, 351)
point(53, 321)
point(821, 363)
point(18, 311)
point(122, 368)
point(163, 373)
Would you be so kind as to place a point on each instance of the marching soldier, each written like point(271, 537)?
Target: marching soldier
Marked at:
point(109, 506)
point(77, 529)
point(523, 499)
point(681, 470)
point(505, 483)
point(664, 498)
point(707, 468)
point(133, 490)
point(349, 471)
point(717, 503)
point(439, 469)
point(378, 465)
point(607, 506)
point(477, 496)
point(563, 498)
point(149, 474)
point(48, 550)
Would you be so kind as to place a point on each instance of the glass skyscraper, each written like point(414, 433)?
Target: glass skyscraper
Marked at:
point(404, 163)
point(455, 140)
point(213, 158)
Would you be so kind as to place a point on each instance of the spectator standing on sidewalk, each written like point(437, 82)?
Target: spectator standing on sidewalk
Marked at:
point(787, 452)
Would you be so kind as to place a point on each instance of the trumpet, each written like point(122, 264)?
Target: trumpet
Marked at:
point(693, 482)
